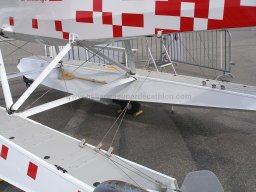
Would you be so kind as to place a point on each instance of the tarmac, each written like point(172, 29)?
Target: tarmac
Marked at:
point(190, 139)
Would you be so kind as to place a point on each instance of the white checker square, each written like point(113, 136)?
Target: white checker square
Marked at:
point(248, 3)
point(216, 9)
point(117, 19)
point(187, 9)
point(200, 24)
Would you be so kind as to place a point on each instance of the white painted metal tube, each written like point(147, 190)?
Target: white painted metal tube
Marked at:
point(130, 56)
point(41, 77)
point(108, 58)
point(114, 48)
point(48, 106)
point(16, 75)
point(5, 84)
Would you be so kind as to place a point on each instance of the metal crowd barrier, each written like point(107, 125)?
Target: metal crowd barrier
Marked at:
point(206, 49)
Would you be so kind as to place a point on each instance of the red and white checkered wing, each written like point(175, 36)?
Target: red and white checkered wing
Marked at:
point(106, 19)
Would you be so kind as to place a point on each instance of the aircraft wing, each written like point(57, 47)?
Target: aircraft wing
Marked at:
point(145, 86)
point(51, 21)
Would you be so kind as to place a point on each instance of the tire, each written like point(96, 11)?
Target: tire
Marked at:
point(27, 81)
point(133, 107)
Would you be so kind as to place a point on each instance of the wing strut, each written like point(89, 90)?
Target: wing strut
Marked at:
point(5, 84)
point(43, 75)
point(130, 58)
point(50, 105)
point(96, 52)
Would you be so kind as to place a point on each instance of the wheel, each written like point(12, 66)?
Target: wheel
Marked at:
point(132, 108)
point(27, 81)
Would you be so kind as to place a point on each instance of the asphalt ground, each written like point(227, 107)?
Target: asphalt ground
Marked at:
point(190, 139)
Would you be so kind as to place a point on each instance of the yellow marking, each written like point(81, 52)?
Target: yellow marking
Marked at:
point(64, 75)
point(119, 111)
point(138, 113)
point(111, 67)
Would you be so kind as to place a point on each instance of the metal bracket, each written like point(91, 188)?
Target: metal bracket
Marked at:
point(59, 168)
point(72, 38)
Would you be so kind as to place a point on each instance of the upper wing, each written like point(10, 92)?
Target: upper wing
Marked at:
point(98, 20)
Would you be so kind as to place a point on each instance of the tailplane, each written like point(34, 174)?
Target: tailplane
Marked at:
point(201, 181)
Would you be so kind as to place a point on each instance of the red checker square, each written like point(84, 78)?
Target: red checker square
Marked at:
point(97, 5)
point(65, 35)
point(4, 152)
point(186, 24)
point(133, 20)
point(117, 31)
point(32, 170)
point(84, 16)
point(11, 21)
point(107, 18)
point(58, 26)
point(168, 7)
point(202, 8)
point(34, 24)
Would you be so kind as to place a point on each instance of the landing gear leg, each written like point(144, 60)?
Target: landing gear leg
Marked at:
point(172, 109)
